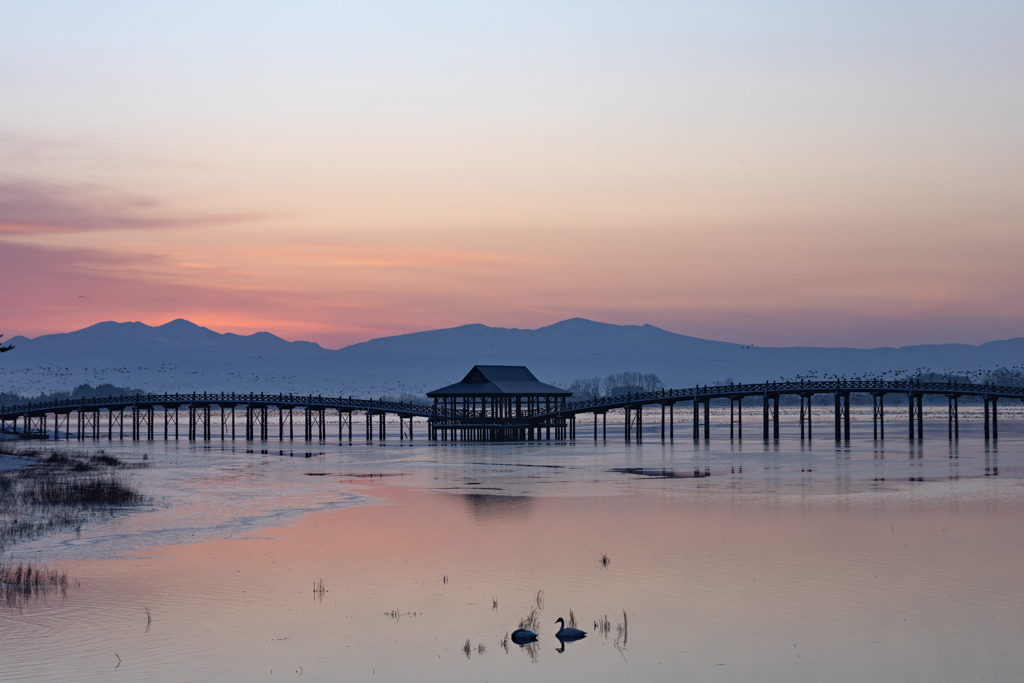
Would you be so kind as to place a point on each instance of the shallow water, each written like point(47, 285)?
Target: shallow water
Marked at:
point(780, 561)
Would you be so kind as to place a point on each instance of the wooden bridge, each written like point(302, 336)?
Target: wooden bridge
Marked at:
point(83, 418)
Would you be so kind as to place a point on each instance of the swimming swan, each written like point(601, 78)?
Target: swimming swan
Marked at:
point(568, 633)
point(521, 635)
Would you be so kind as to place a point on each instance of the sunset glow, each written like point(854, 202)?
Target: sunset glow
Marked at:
point(769, 173)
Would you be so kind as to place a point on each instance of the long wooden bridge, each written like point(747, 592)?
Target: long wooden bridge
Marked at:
point(83, 418)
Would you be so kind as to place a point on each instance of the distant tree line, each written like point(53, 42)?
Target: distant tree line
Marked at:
point(614, 385)
point(81, 391)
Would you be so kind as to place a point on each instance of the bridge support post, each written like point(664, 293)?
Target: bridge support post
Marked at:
point(628, 424)
point(990, 405)
point(949, 400)
point(731, 417)
point(984, 400)
point(639, 424)
point(838, 419)
point(662, 421)
point(920, 417)
point(910, 412)
point(765, 416)
point(672, 421)
point(739, 417)
point(995, 418)
point(707, 418)
point(775, 416)
point(802, 417)
point(696, 418)
point(604, 426)
point(595, 427)
point(874, 415)
point(846, 416)
point(956, 417)
point(810, 430)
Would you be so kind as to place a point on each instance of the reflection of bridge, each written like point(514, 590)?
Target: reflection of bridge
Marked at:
point(260, 409)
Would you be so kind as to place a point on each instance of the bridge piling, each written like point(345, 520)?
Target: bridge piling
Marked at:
point(731, 415)
point(909, 412)
point(775, 417)
point(838, 419)
point(920, 417)
point(739, 417)
point(696, 418)
point(846, 416)
point(952, 411)
point(802, 399)
point(707, 419)
point(765, 413)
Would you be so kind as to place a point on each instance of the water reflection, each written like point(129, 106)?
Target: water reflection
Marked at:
point(485, 506)
point(784, 545)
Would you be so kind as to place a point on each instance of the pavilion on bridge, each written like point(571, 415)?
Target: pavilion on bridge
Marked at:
point(498, 403)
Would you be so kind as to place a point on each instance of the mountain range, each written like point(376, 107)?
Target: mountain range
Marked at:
point(182, 356)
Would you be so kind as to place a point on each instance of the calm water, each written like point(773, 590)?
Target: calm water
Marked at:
point(787, 561)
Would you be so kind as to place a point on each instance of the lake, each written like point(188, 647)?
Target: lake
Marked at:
point(708, 560)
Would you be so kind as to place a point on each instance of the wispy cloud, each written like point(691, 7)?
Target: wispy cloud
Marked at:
point(34, 207)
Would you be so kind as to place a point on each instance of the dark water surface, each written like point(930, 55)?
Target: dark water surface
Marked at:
point(783, 561)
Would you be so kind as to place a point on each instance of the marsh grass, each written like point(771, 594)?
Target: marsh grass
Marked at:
point(571, 622)
point(64, 490)
point(531, 622)
point(23, 582)
point(622, 633)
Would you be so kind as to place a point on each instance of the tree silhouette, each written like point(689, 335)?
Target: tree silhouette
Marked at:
point(4, 349)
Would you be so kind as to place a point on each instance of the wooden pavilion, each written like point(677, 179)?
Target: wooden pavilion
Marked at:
point(498, 403)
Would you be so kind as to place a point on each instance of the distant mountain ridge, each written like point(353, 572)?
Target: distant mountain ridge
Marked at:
point(182, 356)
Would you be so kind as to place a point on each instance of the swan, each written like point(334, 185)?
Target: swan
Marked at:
point(521, 635)
point(568, 633)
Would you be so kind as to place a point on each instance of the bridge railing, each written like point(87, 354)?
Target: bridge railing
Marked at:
point(177, 400)
point(789, 387)
point(602, 403)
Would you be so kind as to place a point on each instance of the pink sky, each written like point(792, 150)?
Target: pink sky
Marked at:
point(764, 174)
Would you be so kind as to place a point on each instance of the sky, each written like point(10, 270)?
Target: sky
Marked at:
point(776, 173)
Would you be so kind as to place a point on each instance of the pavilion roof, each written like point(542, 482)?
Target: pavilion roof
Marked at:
point(497, 380)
